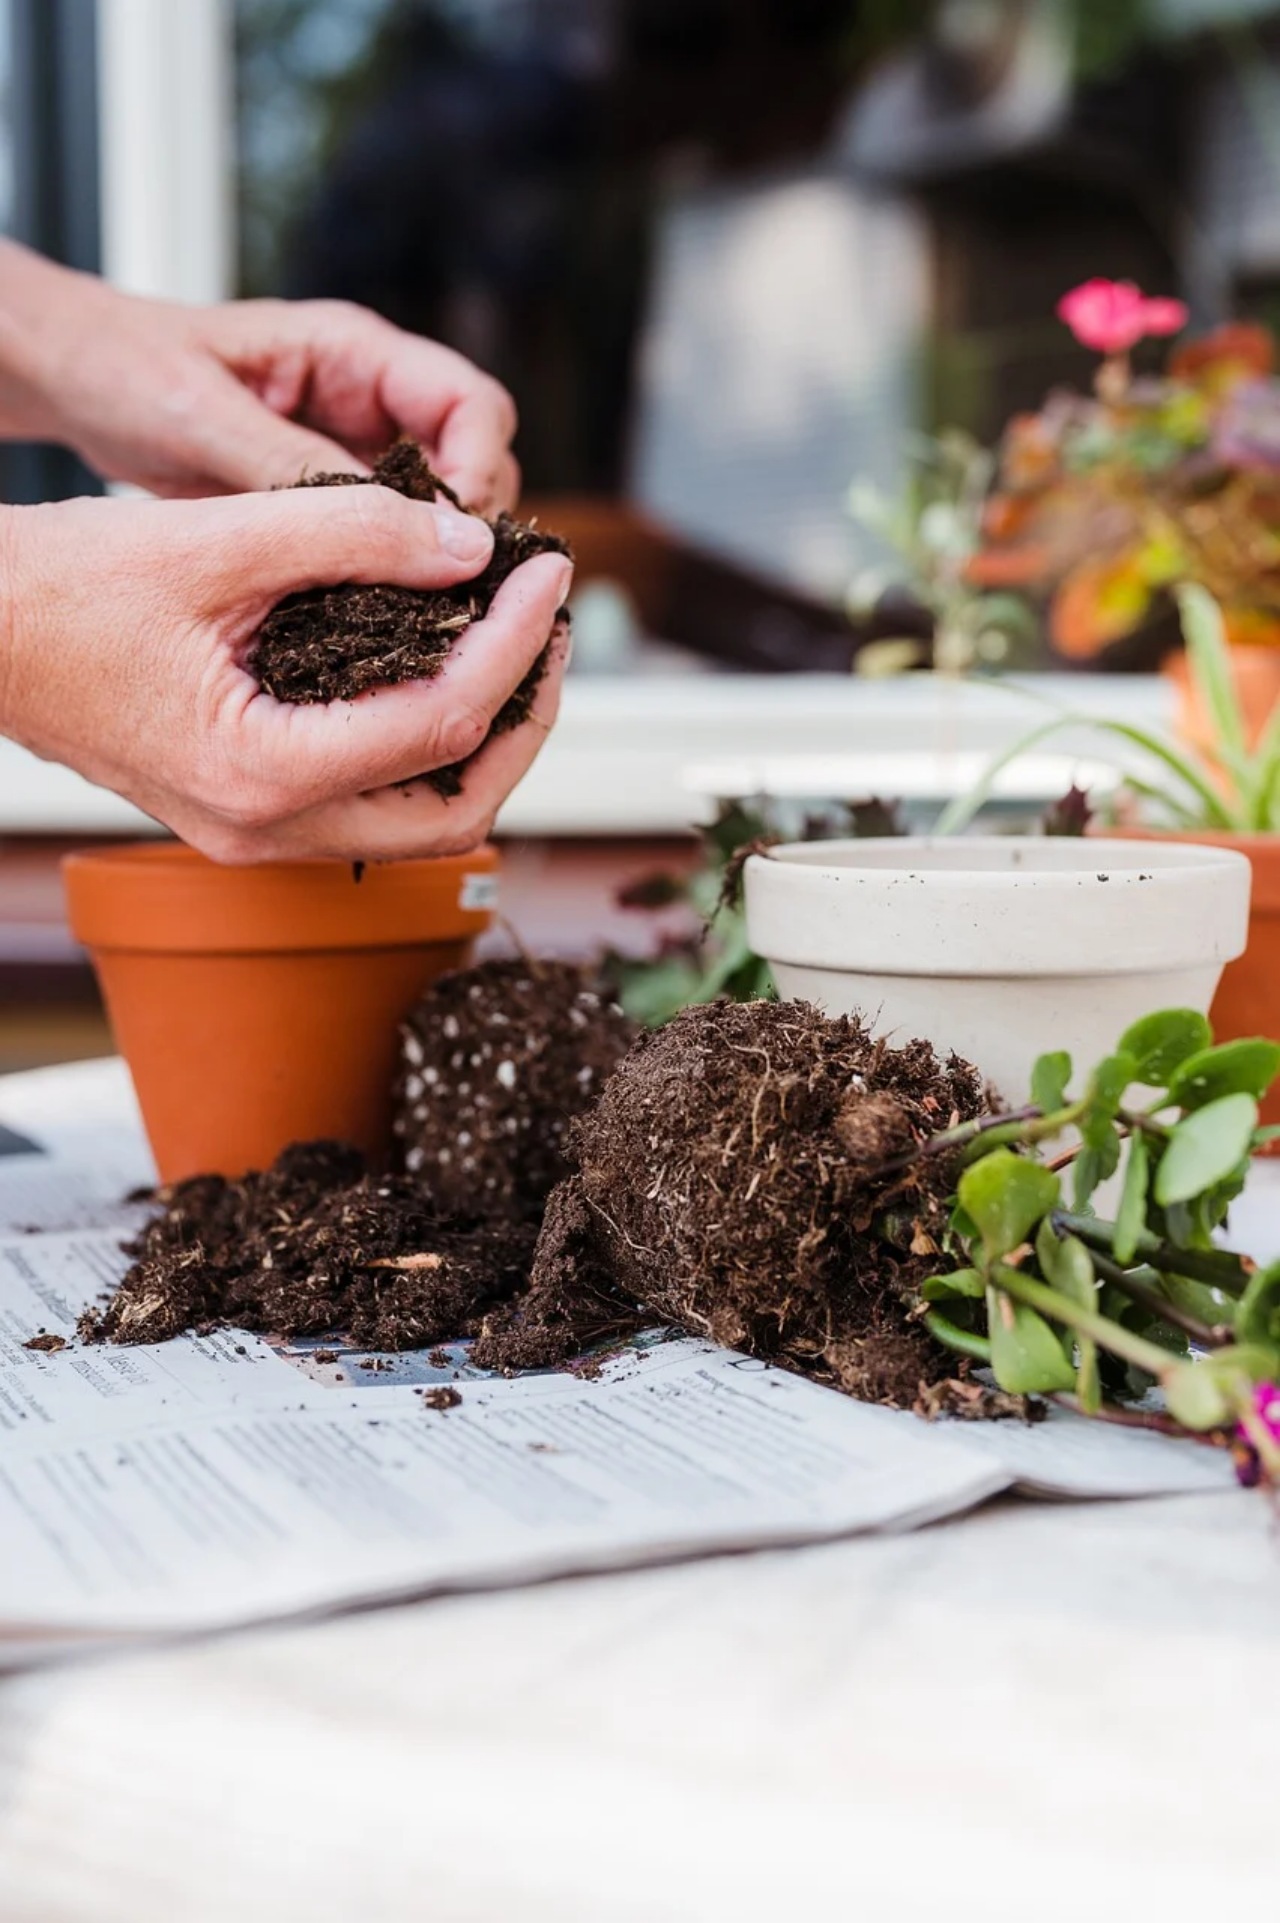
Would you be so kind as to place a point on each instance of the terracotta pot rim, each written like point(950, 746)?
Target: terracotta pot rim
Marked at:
point(164, 898)
point(1261, 851)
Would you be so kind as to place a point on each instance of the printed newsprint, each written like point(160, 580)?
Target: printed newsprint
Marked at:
point(219, 1480)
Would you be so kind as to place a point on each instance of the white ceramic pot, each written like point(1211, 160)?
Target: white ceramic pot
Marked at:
point(999, 947)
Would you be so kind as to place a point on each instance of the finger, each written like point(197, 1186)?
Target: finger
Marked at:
point(507, 487)
point(466, 419)
point(310, 755)
point(404, 822)
point(244, 445)
point(313, 537)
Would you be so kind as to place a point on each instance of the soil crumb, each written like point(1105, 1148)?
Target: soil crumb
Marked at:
point(443, 1399)
point(969, 1401)
point(740, 1178)
point(495, 1063)
point(46, 1342)
point(314, 1245)
point(333, 643)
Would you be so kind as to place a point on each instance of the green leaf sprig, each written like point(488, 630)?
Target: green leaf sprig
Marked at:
point(1060, 1300)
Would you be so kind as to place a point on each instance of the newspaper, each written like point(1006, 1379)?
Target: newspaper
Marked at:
point(221, 1480)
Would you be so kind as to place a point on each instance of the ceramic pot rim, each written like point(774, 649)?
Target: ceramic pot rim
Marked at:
point(998, 906)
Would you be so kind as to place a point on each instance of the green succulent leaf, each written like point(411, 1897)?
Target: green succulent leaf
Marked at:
point(1246, 1067)
point(1107, 1087)
point(940, 1288)
point(1067, 1266)
point(1049, 1081)
point(1131, 1217)
point(952, 1336)
point(1026, 1355)
point(1162, 1042)
point(1258, 1311)
point(1086, 1173)
point(1194, 1396)
point(1005, 1196)
point(1205, 1148)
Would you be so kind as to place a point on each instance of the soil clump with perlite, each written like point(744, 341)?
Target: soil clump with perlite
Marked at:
point(334, 643)
point(747, 1174)
point(496, 1061)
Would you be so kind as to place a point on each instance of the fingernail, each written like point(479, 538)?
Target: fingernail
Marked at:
point(566, 581)
point(462, 535)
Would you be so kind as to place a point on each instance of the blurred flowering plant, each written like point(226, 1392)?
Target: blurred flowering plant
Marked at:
point(1104, 500)
point(930, 534)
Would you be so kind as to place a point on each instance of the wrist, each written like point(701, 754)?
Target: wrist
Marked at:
point(10, 591)
point(39, 301)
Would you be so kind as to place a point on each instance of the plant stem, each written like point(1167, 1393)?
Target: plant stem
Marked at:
point(1163, 1425)
point(951, 1336)
point(1110, 1335)
point(954, 1138)
point(1022, 1131)
point(1220, 1269)
point(1020, 1125)
point(1145, 1122)
point(1146, 1297)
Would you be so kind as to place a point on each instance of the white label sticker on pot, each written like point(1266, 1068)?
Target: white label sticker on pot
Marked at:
point(479, 891)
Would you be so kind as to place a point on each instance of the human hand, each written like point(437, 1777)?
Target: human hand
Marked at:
point(191, 401)
point(127, 626)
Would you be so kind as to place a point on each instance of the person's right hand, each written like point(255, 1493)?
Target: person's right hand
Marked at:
point(126, 625)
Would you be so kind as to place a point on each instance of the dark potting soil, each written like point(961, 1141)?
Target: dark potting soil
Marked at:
point(313, 1245)
point(495, 1063)
point(732, 1180)
point(333, 643)
point(740, 1177)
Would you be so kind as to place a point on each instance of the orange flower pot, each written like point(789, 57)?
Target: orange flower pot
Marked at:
point(1255, 671)
point(1248, 997)
point(260, 1006)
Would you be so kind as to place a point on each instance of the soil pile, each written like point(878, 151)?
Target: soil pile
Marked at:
point(495, 1063)
point(746, 1174)
point(333, 643)
point(737, 1178)
point(315, 1243)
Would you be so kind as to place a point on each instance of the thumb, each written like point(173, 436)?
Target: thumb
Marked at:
point(250, 549)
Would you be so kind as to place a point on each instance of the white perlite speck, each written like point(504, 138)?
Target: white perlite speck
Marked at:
point(505, 1073)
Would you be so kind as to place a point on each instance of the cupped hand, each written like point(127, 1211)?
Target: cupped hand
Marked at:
point(189, 401)
point(127, 627)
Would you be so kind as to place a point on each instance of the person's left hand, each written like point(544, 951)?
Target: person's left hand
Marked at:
point(188, 401)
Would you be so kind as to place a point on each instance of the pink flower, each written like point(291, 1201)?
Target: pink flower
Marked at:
point(1113, 315)
point(1266, 1407)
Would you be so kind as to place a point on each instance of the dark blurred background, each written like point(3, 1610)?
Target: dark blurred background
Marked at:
point(500, 173)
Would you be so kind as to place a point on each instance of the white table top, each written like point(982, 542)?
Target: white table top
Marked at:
point(1058, 1710)
point(631, 755)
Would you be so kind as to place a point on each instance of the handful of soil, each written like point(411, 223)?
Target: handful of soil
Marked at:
point(737, 1178)
point(495, 1062)
point(313, 1244)
point(331, 644)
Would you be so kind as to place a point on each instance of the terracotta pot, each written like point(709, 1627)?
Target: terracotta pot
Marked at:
point(1247, 1001)
point(1256, 674)
point(260, 1006)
